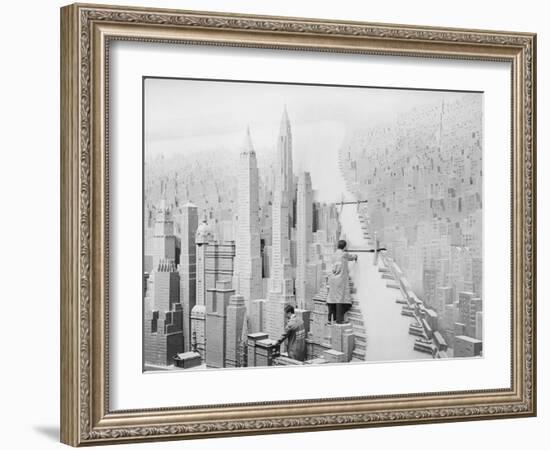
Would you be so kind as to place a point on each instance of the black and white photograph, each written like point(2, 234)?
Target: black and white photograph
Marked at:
point(304, 224)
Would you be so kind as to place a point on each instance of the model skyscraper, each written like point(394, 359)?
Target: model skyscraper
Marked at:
point(164, 240)
point(281, 286)
point(247, 278)
point(163, 316)
point(304, 232)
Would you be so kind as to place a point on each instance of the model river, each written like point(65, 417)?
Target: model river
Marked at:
point(387, 330)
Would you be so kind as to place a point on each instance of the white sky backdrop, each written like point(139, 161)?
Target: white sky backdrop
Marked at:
point(184, 116)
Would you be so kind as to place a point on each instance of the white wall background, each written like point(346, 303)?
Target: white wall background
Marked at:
point(29, 259)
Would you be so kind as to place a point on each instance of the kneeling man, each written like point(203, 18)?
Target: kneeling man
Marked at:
point(295, 332)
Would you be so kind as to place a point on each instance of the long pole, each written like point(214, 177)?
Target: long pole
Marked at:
point(350, 203)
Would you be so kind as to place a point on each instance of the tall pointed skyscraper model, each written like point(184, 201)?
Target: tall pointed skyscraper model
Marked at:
point(281, 290)
point(283, 198)
point(248, 264)
point(284, 150)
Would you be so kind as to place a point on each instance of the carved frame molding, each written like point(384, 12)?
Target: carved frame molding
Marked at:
point(86, 31)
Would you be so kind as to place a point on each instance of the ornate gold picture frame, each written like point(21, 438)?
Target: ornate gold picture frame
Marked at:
point(87, 31)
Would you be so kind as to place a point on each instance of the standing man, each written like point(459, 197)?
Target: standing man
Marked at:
point(295, 332)
point(339, 298)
